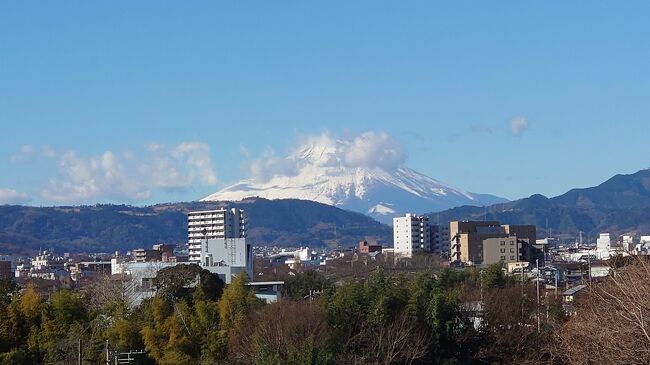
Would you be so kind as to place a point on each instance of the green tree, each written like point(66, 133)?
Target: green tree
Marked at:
point(300, 286)
point(236, 302)
point(166, 336)
point(493, 277)
point(8, 289)
point(64, 322)
point(181, 281)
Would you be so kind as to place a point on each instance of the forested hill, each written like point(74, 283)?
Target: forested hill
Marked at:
point(105, 228)
point(619, 205)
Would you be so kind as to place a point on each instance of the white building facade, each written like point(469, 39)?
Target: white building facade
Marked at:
point(411, 233)
point(604, 242)
point(213, 224)
point(227, 257)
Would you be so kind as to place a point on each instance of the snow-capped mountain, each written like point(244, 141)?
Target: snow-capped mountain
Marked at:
point(323, 172)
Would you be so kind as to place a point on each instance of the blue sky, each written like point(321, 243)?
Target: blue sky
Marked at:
point(144, 102)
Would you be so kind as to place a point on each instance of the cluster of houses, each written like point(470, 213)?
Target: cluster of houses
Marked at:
point(217, 242)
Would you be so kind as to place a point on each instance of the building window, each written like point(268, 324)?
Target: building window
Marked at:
point(503, 250)
point(512, 250)
point(512, 257)
point(503, 243)
point(503, 258)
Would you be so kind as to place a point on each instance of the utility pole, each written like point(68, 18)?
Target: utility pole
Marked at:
point(522, 292)
point(538, 319)
point(556, 275)
point(481, 287)
point(589, 265)
point(79, 351)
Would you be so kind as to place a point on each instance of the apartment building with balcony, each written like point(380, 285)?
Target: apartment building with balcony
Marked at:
point(213, 224)
point(411, 234)
point(439, 239)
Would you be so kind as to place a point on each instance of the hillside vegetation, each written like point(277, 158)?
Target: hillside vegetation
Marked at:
point(105, 228)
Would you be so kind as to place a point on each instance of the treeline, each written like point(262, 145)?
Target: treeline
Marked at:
point(452, 317)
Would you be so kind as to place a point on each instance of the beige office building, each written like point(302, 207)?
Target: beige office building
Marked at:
point(488, 242)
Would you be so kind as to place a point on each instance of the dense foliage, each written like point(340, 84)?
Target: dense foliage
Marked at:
point(450, 317)
point(192, 319)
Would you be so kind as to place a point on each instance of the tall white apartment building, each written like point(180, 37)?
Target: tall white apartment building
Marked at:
point(604, 242)
point(213, 224)
point(411, 233)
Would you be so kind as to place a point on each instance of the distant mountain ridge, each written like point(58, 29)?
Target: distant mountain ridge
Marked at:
point(380, 192)
point(619, 205)
point(106, 228)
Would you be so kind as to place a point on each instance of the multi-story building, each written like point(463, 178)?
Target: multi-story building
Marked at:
point(47, 261)
point(6, 271)
point(439, 239)
point(227, 257)
point(604, 242)
point(411, 233)
point(365, 247)
point(213, 224)
point(488, 242)
point(160, 252)
point(86, 269)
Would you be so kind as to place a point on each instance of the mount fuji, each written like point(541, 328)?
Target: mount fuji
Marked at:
point(339, 173)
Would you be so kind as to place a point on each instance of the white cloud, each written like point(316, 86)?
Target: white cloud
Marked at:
point(125, 177)
point(365, 150)
point(196, 156)
point(372, 149)
point(25, 153)
point(28, 152)
point(518, 125)
point(11, 196)
point(269, 165)
point(48, 152)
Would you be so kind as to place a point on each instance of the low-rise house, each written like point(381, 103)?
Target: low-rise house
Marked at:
point(269, 291)
point(88, 269)
point(569, 298)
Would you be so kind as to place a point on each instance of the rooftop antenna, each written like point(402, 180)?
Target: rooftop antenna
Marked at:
point(547, 232)
point(581, 238)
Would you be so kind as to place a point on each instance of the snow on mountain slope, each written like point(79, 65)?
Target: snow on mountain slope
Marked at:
point(322, 173)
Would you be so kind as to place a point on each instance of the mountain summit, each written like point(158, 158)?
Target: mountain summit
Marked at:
point(620, 205)
point(353, 176)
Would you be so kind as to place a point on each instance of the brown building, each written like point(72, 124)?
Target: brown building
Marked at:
point(159, 252)
point(6, 272)
point(523, 232)
point(488, 242)
point(366, 248)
